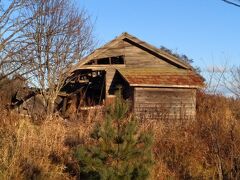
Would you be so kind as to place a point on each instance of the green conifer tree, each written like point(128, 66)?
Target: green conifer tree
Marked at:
point(120, 151)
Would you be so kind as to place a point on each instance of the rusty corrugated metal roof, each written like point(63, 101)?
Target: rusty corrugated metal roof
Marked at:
point(161, 77)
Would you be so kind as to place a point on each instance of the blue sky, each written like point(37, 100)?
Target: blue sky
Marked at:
point(208, 31)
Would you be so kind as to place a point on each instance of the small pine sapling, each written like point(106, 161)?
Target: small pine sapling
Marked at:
point(119, 150)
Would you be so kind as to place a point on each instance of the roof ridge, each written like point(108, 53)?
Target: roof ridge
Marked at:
point(154, 48)
point(132, 38)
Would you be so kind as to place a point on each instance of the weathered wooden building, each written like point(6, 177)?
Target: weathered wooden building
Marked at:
point(156, 83)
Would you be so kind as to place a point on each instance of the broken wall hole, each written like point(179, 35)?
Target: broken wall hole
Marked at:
point(85, 88)
point(107, 61)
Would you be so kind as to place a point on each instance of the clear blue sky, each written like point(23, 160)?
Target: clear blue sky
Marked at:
point(207, 31)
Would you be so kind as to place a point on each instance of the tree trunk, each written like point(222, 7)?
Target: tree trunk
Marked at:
point(50, 107)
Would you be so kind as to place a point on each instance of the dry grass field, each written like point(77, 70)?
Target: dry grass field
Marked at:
point(207, 148)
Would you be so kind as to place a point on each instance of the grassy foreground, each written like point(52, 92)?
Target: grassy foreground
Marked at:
point(207, 148)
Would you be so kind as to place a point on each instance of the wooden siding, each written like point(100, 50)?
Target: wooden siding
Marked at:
point(119, 46)
point(159, 85)
point(114, 49)
point(137, 57)
point(164, 103)
point(134, 56)
point(110, 73)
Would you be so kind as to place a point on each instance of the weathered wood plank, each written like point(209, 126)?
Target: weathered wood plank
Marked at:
point(152, 102)
point(110, 72)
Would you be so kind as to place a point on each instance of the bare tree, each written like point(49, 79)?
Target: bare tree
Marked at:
point(13, 42)
point(231, 81)
point(60, 35)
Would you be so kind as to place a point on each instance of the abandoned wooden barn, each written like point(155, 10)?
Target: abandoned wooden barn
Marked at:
point(156, 83)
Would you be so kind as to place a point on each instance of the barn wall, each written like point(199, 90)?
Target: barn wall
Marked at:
point(137, 57)
point(164, 103)
point(115, 49)
point(110, 73)
point(114, 81)
point(134, 56)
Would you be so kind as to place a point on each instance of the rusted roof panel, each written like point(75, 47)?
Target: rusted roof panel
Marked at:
point(161, 77)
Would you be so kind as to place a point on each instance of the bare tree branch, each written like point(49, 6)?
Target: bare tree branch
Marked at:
point(235, 3)
point(59, 35)
point(232, 81)
point(13, 43)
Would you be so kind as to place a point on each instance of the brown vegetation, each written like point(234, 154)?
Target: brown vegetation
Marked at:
point(201, 149)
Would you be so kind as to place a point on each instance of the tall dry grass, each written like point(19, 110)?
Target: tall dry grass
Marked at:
point(207, 148)
point(39, 151)
point(26, 148)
